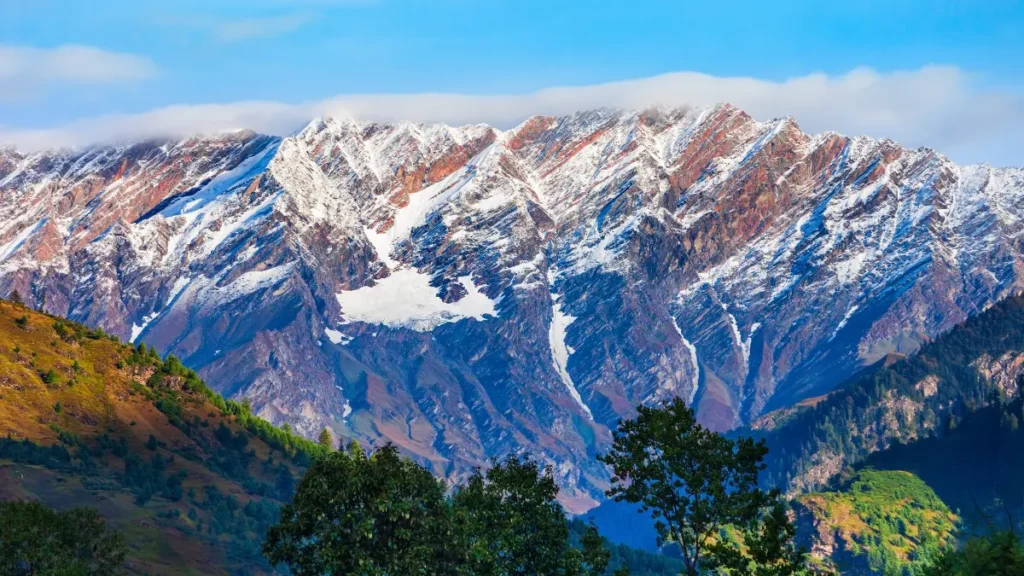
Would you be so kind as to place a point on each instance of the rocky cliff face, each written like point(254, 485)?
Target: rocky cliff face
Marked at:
point(469, 292)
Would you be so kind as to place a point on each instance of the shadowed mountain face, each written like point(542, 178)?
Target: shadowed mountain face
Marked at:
point(469, 292)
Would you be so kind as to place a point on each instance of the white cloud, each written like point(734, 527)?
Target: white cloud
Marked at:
point(236, 30)
point(940, 107)
point(24, 69)
point(171, 121)
point(240, 29)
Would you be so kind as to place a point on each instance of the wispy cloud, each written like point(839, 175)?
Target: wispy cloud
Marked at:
point(940, 107)
point(25, 69)
point(262, 18)
point(250, 28)
point(226, 29)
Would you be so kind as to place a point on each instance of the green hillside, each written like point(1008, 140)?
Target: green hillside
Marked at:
point(190, 480)
point(975, 468)
point(884, 522)
point(949, 415)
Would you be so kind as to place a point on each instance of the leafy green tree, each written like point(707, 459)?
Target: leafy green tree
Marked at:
point(326, 439)
point(42, 542)
point(510, 524)
point(385, 515)
point(998, 554)
point(48, 377)
point(369, 515)
point(764, 549)
point(696, 483)
point(594, 555)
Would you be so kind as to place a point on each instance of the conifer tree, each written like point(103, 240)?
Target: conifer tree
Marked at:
point(326, 439)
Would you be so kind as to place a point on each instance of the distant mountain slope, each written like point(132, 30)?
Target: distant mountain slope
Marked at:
point(972, 366)
point(467, 292)
point(190, 481)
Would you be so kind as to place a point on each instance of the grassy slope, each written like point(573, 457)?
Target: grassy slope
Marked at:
point(882, 521)
point(100, 411)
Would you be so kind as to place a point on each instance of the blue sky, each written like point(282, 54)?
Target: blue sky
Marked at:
point(149, 55)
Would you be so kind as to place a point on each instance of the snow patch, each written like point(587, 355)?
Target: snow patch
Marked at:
point(176, 289)
point(693, 358)
point(560, 351)
point(8, 249)
point(215, 238)
point(337, 337)
point(406, 299)
point(250, 282)
point(137, 330)
point(743, 343)
point(842, 323)
point(849, 270)
point(347, 408)
point(223, 182)
point(382, 244)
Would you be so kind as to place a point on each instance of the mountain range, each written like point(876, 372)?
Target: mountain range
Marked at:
point(469, 292)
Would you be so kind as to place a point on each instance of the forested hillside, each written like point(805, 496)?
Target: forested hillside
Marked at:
point(191, 481)
point(877, 522)
point(927, 395)
point(975, 468)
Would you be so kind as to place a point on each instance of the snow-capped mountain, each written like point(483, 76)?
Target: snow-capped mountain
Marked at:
point(470, 292)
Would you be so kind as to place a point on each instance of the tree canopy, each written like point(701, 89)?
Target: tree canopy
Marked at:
point(326, 439)
point(701, 488)
point(510, 523)
point(381, 513)
point(997, 554)
point(355, 513)
point(37, 540)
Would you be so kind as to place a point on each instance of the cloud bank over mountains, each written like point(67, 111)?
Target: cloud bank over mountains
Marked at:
point(939, 107)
